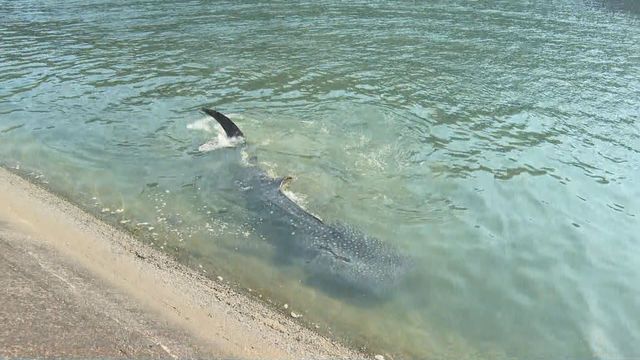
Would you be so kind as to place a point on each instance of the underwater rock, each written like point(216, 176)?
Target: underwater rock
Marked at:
point(295, 315)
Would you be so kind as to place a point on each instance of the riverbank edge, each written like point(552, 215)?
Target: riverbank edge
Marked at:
point(231, 323)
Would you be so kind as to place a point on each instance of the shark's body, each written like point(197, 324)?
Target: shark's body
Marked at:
point(337, 257)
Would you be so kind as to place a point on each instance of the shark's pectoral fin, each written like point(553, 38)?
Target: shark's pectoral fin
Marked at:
point(337, 256)
point(284, 183)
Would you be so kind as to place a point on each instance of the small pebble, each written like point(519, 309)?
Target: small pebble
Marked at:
point(295, 316)
point(220, 278)
point(379, 357)
point(286, 306)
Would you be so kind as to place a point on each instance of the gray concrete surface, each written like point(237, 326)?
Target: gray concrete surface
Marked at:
point(50, 307)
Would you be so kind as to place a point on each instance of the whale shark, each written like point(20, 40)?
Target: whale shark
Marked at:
point(336, 257)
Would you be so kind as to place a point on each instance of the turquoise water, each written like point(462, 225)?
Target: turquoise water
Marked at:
point(494, 143)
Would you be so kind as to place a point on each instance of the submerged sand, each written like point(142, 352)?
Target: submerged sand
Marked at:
point(73, 286)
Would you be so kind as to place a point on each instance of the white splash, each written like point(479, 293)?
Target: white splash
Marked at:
point(203, 124)
point(245, 158)
point(220, 141)
point(298, 199)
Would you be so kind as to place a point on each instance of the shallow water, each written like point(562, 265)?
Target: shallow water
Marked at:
point(494, 143)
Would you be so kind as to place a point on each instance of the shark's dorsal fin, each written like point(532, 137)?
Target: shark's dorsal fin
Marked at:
point(284, 182)
point(229, 127)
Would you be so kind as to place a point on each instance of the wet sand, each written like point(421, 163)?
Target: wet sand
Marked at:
point(73, 286)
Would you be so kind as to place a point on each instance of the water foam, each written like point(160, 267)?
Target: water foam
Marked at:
point(298, 199)
point(221, 140)
point(203, 124)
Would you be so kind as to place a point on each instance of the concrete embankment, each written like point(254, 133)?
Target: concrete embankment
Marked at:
point(73, 286)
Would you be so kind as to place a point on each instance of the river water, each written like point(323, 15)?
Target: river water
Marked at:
point(495, 144)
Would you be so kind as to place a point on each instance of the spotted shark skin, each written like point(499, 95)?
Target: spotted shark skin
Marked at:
point(336, 257)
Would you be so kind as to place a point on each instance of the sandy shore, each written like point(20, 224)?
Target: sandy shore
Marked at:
point(73, 286)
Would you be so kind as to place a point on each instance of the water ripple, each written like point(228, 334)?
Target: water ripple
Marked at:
point(496, 142)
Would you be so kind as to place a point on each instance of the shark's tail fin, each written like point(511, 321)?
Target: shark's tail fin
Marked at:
point(229, 127)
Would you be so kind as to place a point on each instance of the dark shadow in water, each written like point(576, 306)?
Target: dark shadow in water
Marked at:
point(324, 278)
point(347, 293)
point(341, 261)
